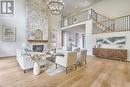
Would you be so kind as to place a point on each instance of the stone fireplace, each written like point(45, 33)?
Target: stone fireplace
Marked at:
point(38, 48)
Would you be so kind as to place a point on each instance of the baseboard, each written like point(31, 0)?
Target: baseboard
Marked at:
point(7, 57)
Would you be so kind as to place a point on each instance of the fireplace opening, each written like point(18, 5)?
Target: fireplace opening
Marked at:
point(38, 48)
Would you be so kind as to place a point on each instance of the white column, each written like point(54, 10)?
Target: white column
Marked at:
point(89, 38)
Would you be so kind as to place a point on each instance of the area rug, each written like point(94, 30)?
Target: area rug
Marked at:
point(51, 69)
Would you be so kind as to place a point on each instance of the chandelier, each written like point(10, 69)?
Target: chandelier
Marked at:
point(56, 6)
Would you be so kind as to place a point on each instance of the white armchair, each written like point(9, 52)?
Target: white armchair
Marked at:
point(81, 56)
point(68, 60)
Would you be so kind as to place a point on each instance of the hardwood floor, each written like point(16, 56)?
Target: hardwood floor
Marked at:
point(96, 73)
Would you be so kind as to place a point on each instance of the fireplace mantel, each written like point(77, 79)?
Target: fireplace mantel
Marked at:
point(44, 41)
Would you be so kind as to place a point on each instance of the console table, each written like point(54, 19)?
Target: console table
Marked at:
point(117, 54)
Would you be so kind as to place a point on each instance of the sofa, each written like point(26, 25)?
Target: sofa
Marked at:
point(25, 62)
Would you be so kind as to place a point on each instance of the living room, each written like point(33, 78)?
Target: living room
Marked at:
point(64, 43)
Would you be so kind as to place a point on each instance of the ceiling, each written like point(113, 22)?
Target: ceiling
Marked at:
point(73, 5)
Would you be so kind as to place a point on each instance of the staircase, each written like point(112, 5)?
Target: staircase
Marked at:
point(103, 23)
point(101, 28)
point(114, 25)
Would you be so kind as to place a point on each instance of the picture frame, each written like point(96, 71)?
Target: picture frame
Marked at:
point(53, 36)
point(119, 40)
point(8, 34)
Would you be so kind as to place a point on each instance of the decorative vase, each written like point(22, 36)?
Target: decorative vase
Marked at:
point(36, 68)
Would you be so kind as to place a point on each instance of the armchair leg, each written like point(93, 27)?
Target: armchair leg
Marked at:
point(25, 71)
point(66, 70)
point(85, 62)
point(56, 66)
point(80, 64)
point(75, 66)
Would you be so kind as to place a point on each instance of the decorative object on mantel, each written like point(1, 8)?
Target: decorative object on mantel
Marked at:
point(56, 6)
point(99, 46)
point(38, 34)
point(8, 34)
point(121, 46)
point(35, 34)
point(112, 40)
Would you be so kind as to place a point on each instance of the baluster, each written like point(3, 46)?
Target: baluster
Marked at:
point(126, 22)
point(71, 20)
point(129, 22)
point(123, 28)
point(87, 16)
point(123, 24)
point(110, 24)
point(113, 25)
point(119, 24)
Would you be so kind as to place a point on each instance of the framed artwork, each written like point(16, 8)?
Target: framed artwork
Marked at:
point(53, 36)
point(121, 40)
point(8, 34)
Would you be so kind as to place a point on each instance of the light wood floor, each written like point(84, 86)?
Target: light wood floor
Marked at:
point(97, 73)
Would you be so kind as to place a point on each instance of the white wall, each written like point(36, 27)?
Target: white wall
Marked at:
point(18, 21)
point(54, 21)
point(54, 25)
point(91, 39)
point(113, 8)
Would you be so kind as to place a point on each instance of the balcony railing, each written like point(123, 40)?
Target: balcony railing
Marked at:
point(81, 17)
point(105, 24)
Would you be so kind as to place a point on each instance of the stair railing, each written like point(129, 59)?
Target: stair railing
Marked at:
point(118, 24)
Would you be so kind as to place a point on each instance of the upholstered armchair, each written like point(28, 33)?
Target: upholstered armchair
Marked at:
point(81, 56)
point(68, 60)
